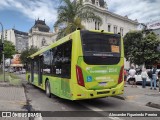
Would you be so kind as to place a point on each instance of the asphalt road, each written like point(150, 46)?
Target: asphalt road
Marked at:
point(38, 101)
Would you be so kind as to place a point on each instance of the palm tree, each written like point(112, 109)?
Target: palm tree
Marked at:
point(70, 16)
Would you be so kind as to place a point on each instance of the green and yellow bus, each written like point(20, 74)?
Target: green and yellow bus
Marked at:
point(83, 65)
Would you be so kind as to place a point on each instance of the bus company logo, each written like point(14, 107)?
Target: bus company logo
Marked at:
point(89, 78)
point(6, 114)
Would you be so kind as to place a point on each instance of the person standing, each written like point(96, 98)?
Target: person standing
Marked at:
point(144, 76)
point(154, 78)
point(132, 73)
point(159, 80)
point(125, 77)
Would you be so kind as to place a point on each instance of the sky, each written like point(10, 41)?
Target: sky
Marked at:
point(21, 14)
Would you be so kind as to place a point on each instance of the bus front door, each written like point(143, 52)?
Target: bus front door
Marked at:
point(40, 63)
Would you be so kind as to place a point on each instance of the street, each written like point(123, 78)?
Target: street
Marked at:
point(38, 101)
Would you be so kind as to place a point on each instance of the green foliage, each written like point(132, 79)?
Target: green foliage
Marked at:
point(27, 53)
point(70, 16)
point(9, 49)
point(141, 48)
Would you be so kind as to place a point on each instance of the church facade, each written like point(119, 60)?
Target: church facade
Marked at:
point(40, 35)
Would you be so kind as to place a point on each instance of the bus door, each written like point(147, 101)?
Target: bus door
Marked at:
point(32, 70)
point(40, 65)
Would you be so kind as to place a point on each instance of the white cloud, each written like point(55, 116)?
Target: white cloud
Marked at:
point(33, 9)
point(143, 10)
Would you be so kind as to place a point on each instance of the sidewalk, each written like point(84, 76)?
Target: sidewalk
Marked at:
point(12, 98)
point(142, 96)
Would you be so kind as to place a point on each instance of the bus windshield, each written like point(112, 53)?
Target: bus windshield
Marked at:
point(100, 48)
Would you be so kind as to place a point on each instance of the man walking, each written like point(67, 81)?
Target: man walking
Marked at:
point(159, 80)
point(132, 73)
point(154, 78)
point(144, 76)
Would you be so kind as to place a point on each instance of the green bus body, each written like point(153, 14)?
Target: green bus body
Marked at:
point(93, 67)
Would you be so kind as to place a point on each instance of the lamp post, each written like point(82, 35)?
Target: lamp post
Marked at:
point(2, 38)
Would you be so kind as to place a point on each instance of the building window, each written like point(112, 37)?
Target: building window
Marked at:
point(109, 28)
point(97, 3)
point(95, 25)
point(98, 25)
point(121, 31)
point(44, 42)
point(115, 29)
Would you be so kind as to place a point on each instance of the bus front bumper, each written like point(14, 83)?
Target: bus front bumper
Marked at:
point(83, 93)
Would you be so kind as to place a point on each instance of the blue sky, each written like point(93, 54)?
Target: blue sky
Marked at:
point(21, 14)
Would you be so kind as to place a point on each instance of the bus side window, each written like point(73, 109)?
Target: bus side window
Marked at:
point(61, 60)
point(47, 62)
point(57, 54)
point(35, 68)
point(66, 64)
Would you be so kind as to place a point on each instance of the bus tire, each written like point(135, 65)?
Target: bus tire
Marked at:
point(48, 89)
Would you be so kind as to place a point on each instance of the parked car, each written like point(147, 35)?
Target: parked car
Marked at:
point(6, 69)
point(10, 70)
point(23, 71)
point(139, 78)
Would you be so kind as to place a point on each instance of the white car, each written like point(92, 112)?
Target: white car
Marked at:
point(23, 71)
point(6, 70)
point(139, 79)
point(10, 70)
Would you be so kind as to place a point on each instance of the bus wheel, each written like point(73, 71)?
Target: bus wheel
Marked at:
point(48, 90)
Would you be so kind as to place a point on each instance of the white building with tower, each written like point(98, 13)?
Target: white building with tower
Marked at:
point(40, 35)
point(111, 22)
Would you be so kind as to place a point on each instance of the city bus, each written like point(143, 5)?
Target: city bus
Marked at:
point(85, 64)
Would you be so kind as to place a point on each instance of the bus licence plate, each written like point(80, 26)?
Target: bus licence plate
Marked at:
point(102, 83)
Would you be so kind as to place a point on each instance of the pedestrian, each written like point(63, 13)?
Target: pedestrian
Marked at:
point(159, 80)
point(144, 76)
point(150, 74)
point(132, 73)
point(125, 77)
point(154, 78)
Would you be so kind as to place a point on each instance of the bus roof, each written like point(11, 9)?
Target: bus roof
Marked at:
point(62, 40)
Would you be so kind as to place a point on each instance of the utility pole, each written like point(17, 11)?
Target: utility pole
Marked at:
point(2, 38)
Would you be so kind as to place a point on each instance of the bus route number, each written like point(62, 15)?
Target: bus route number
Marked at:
point(58, 71)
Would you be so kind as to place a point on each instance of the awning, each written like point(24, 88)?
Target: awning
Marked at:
point(16, 65)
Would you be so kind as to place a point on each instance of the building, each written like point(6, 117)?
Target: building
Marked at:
point(21, 40)
point(154, 26)
point(40, 35)
point(111, 22)
point(18, 38)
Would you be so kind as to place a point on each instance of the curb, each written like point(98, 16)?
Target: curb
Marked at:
point(7, 84)
point(120, 97)
point(153, 105)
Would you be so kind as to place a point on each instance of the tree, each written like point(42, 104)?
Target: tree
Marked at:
point(70, 16)
point(26, 53)
point(9, 49)
point(141, 48)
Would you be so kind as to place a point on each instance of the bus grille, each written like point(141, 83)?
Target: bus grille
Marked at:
point(104, 92)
